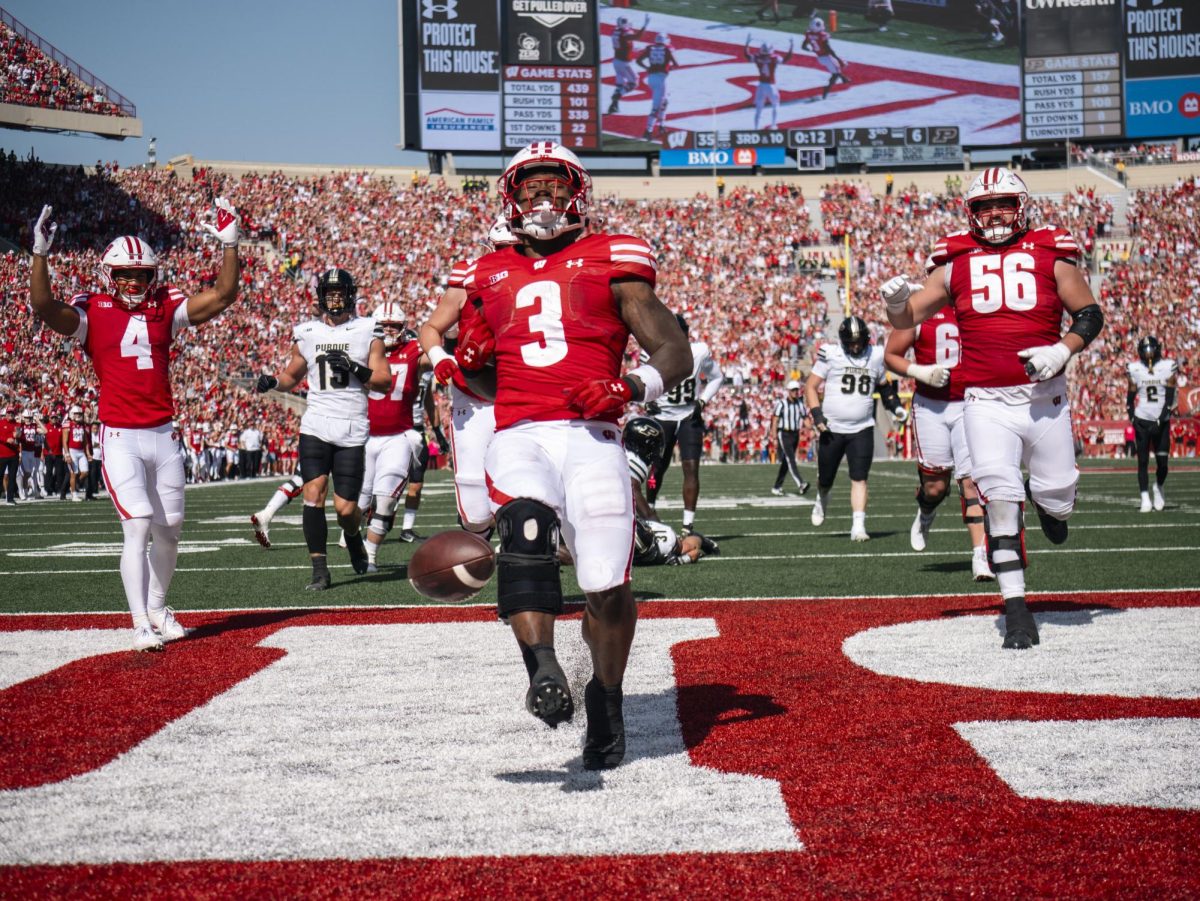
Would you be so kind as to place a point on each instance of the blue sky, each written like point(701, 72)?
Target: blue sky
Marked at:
point(265, 80)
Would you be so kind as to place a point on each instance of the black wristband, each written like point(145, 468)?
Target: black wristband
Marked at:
point(360, 372)
point(818, 416)
point(635, 388)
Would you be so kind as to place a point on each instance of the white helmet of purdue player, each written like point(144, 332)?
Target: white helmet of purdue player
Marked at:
point(126, 253)
point(997, 183)
point(541, 212)
point(390, 317)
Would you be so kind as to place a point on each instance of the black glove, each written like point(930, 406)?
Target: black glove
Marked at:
point(1130, 397)
point(440, 437)
point(266, 383)
point(339, 361)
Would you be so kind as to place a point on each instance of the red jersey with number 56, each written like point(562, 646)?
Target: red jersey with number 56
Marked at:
point(1005, 299)
point(130, 350)
point(556, 320)
point(391, 413)
point(937, 344)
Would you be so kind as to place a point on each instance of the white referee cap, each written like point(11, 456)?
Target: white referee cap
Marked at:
point(793, 385)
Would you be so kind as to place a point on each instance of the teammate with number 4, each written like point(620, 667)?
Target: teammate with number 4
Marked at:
point(127, 331)
point(849, 373)
point(343, 357)
point(1010, 284)
point(1153, 382)
point(938, 433)
point(557, 312)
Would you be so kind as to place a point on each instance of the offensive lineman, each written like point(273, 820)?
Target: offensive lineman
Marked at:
point(938, 432)
point(127, 331)
point(1152, 385)
point(680, 412)
point(343, 357)
point(394, 441)
point(1009, 285)
point(556, 312)
point(472, 414)
point(850, 372)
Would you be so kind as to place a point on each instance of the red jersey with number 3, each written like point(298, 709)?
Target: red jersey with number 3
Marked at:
point(130, 350)
point(556, 320)
point(392, 413)
point(1005, 298)
point(937, 344)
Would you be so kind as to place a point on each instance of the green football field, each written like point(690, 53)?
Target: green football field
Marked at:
point(64, 557)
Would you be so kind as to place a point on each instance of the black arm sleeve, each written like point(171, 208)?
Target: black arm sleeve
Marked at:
point(1130, 399)
point(1087, 323)
point(889, 393)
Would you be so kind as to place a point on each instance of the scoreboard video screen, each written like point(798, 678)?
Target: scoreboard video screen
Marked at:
point(494, 75)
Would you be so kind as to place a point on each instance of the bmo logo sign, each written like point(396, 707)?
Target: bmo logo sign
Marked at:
point(1189, 106)
point(723, 158)
point(1155, 107)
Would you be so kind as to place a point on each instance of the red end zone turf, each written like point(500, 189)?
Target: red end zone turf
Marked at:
point(886, 796)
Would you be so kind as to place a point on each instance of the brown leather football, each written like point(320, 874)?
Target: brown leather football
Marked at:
point(451, 567)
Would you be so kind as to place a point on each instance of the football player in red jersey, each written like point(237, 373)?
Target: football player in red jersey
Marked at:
point(556, 312)
point(1009, 285)
point(816, 39)
point(127, 331)
point(938, 432)
point(394, 441)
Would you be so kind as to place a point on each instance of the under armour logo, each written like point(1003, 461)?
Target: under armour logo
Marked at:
point(467, 354)
point(1028, 245)
point(575, 264)
point(448, 7)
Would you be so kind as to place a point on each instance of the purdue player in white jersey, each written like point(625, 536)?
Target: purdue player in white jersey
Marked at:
point(850, 373)
point(1151, 398)
point(681, 414)
point(343, 357)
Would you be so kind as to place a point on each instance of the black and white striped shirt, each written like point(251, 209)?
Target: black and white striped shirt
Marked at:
point(789, 414)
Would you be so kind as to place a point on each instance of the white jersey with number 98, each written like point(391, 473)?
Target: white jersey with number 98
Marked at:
point(850, 383)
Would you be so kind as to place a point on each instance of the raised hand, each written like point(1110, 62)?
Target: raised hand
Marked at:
point(43, 232)
point(226, 228)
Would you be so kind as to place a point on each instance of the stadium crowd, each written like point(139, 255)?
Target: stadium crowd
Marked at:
point(28, 77)
point(731, 264)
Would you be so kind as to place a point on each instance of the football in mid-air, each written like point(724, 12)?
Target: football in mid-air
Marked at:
point(451, 567)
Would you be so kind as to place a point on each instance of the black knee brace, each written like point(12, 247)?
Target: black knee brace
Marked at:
point(385, 522)
point(967, 504)
point(925, 503)
point(527, 569)
point(1006, 543)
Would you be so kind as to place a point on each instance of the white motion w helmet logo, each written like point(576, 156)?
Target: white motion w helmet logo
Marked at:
point(448, 7)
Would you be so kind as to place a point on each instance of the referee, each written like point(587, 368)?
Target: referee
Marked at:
point(786, 419)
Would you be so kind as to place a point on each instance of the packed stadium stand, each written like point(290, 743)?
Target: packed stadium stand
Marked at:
point(758, 272)
point(42, 88)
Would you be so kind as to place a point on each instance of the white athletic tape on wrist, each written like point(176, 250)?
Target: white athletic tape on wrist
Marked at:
point(652, 379)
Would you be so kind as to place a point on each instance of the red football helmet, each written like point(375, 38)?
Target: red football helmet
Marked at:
point(544, 221)
point(997, 182)
point(128, 252)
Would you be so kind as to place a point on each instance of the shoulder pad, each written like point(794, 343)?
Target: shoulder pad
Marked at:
point(950, 246)
point(823, 352)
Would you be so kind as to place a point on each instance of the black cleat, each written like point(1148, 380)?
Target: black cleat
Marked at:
point(604, 746)
point(358, 553)
point(320, 581)
point(1054, 529)
point(408, 536)
point(549, 694)
point(1020, 631)
point(804, 486)
point(708, 546)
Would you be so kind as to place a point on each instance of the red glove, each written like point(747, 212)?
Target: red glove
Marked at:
point(600, 397)
point(476, 343)
point(444, 370)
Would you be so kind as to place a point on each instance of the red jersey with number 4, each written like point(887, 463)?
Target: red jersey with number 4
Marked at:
point(1005, 298)
point(556, 320)
point(392, 413)
point(937, 344)
point(130, 350)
